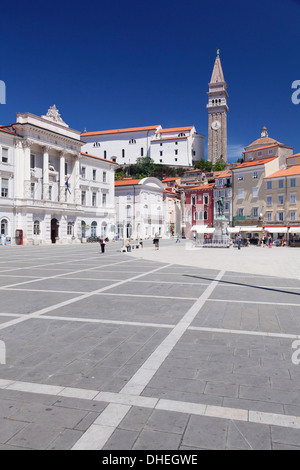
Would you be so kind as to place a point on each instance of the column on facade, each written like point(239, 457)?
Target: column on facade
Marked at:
point(46, 173)
point(62, 187)
point(75, 176)
point(19, 170)
point(27, 174)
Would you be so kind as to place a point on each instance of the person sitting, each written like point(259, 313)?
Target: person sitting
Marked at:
point(128, 246)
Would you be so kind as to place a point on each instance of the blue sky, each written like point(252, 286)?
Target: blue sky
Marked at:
point(111, 64)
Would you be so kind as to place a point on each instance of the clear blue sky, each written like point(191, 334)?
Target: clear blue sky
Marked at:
point(110, 64)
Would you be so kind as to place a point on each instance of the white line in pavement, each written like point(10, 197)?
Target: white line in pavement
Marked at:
point(72, 300)
point(120, 403)
point(142, 377)
point(244, 332)
point(254, 302)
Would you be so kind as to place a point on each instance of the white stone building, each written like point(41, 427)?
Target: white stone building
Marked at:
point(180, 146)
point(7, 188)
point(46, 195)
point(140, 209)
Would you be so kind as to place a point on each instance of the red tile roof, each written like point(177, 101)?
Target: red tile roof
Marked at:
point(203, 186)
point(3, 129)
point(127, 182)
point(175, 129)
point(253, 163)
point(98, 158)
point(120, 131)
point(225, 174)
point(293, 170)
point(262, 148)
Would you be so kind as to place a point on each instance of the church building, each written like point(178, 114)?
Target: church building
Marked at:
point(217, 114)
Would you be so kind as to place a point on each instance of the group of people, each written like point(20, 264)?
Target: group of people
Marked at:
point(267, 241)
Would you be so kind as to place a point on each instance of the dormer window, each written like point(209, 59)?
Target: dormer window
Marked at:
point(182, 134)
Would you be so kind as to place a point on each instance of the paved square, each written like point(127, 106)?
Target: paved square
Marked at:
point(156, 350)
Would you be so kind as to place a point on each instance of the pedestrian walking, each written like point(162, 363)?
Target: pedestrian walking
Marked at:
point(239, 240)
point(178, 238)
point(270, 242)
point(102, 244)
point(156, 241)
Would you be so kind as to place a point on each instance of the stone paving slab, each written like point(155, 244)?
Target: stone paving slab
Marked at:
point(157, 354)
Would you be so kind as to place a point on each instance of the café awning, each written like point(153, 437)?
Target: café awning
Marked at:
point(202, 229)
point(245, 228)
point(294, 230)
point(279, 229)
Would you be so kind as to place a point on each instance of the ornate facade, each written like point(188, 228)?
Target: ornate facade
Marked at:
point(47, 195)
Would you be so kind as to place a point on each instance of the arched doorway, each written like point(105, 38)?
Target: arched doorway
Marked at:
point(128, 230)
point(54, 230)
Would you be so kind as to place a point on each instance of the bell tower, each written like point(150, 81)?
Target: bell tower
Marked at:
point(217, 114)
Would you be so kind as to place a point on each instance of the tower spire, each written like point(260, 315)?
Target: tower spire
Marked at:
point(217, 74)
point(217, 114)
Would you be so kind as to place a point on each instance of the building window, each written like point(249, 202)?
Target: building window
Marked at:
point(4, 226)
point(105, 154)
point(160, 160)
point(205, 215)
point(259, 153)
point(293, 182)
point(104, 199)
point(293, 215)
point(123, 153)
point(241, 177)
point(255, 175)
point(176, 159)
point(182, 134)
point(83, 198)
point(94, 199)
point(269, 216)
point(196, 215)
point(32, 161)
point(176, 152)
point(132, 141)
point(70, 228)
point(94, 175)
point(193, 199)
point(66, 170)
point(94, 229)
point(128, 212)
point(4, 157)
point(280, 216)
point(280, 199)
point(269, 200)
point(241, 212)
point(240, 194)
point(160, 153)
point(83, 172)
point(104, 177)
point(142, 151)
point(254, 192)
point(269, 184)
point(270, 151)
point(281, 184)
point(50, 193)
point(83, 228)
point(36, 227)
point(206, 199)
point(32, 189)
point(250, 156)
point(293, 198)
point(255, 212)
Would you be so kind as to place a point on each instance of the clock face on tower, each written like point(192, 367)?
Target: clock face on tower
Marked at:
point(216, 125)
